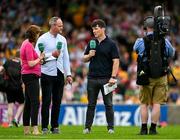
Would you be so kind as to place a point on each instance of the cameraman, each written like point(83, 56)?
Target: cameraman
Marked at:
point(154, 93)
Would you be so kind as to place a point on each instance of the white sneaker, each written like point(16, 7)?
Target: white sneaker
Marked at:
point(111, 131)
point(86, 131)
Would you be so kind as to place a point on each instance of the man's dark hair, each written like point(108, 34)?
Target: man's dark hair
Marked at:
point(98, 22)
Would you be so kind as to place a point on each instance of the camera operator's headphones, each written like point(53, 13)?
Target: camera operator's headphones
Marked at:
point(148, 22)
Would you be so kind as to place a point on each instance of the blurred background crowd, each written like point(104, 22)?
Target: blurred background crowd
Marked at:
point(124, 24)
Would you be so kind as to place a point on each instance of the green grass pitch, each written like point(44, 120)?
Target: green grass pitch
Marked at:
point(98, 132)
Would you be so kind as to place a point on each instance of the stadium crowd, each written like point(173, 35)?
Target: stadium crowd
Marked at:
point(124, 24)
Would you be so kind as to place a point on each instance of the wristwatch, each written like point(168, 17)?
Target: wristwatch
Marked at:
point(113, 77)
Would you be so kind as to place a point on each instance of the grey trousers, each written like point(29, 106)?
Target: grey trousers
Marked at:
point(93, 88)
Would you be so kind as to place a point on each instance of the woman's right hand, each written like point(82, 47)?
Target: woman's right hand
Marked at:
point(41, 57)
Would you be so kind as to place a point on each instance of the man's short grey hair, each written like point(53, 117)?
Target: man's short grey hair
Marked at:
point(53, 20)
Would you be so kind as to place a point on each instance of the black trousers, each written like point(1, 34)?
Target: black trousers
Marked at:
point(52, 88)
point(93, 88)
point(31, 106)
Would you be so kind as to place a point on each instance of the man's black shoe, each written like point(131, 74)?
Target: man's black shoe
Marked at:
point(55, 130)
point(143, 131)
point(152, 132)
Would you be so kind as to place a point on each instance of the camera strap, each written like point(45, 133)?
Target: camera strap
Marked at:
point(170, 71)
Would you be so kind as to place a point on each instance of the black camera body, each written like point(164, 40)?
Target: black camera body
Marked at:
point(161, 29)
point(161, 22)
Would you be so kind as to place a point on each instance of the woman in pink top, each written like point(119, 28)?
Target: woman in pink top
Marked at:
point(31, 71)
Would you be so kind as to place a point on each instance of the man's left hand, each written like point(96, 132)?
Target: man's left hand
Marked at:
point(56, 53)
point(69, 79)
point(112, 81)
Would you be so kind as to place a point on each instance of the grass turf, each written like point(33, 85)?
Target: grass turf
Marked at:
point(98, 132)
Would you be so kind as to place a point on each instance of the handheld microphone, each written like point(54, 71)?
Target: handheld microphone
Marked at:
point(59, 45)
point(41, 47)
point(93, 44)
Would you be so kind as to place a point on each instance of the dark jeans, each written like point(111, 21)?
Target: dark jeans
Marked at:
point(52, 87)
point(93, 88)
point(31, 106)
